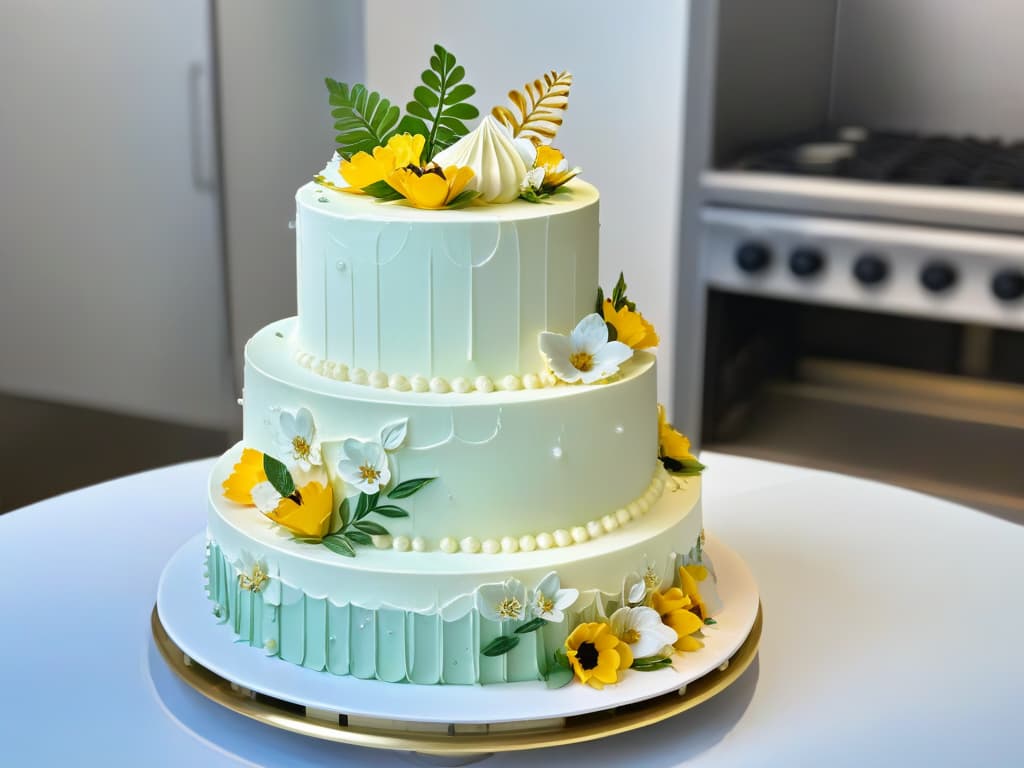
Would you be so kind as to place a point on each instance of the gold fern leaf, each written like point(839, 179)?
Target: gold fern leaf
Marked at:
point(540, 110)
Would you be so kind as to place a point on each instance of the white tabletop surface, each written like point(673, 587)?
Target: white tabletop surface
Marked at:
point(892, 636)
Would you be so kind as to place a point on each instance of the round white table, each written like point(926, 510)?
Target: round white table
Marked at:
point(892, 636)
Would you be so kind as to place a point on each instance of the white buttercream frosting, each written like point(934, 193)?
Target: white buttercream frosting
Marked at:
point(332, 173)
point(497, 164)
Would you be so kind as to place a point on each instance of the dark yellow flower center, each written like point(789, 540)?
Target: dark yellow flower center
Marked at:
point(545, 604)
point(630, 636)
point(587, 655)
point(300, 446)
point(253, 582)
point(581, 361)
point(368, 473)
point(509, 608)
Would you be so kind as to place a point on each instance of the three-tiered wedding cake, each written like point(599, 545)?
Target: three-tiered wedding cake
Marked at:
point(454, 468)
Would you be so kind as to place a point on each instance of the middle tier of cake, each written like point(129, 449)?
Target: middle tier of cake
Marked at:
point(528, 466)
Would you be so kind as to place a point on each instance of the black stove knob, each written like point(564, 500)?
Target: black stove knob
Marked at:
point(753, 257)
point(870, 269)
point(938, 276)
point(806, 262)
point(1008, 284)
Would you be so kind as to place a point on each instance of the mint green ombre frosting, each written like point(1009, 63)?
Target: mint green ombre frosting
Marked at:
point(387, 644)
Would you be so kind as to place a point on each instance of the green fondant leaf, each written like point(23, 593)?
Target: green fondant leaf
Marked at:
point(464, 198)
point(408, 488)
point(439, 97)
point(365, 505)
point(339, 544)
point(709, 622)
point(390, 510)
point(343, 512)
point(558, 677)
point(307, 540)
point(531, 626)
point(500, 645)
point(363, 119)
point(560, 659)
point(278, 475)
point(613, 334)
point(599, 306)
point(372, 528)
point(358, 537)
point(651, 663)
point(382, 191)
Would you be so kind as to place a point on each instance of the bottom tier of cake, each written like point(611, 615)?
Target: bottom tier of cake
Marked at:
point(435, 617)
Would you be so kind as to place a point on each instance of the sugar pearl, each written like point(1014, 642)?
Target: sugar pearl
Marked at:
point(509, 544)
point(548, 379)
point(419, 545)
point(359, 376)
point(511, 383)
point(419, 383)
point(378, 379)
point(527, 543)
point(449, 545)
point(439, 385)
point(609, 523)
point(635, 509)
point(402, 543)
point(398, 382)
point(382, 542)
point(532, 381)
point(545, 540)
point(461, 385)
point(579, 534)
point(318, 367)
point(484, 384)
point(491, 546)
point(594, 529)
point(622, 515)
point(341, 372)
point(563, 538)
point(470, 544)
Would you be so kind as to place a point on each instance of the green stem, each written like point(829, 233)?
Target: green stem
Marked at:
point(437, 115)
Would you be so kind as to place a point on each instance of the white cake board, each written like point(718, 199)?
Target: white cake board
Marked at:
point(187, 617)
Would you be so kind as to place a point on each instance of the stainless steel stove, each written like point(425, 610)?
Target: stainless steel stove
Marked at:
point(858, 256)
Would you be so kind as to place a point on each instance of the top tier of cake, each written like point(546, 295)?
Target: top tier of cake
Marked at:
point(461, 293)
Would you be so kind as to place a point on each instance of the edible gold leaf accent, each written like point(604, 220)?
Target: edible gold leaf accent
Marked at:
point(539, 110)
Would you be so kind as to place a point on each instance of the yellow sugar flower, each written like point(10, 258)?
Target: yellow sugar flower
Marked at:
point(630, 326)
point(672, 444)
point(430, 187)
point(364, 169)
point(307, 513)
point(596, 655)
point(689, 576)
point(247, 473)
point(676, 611)
point(556, 169)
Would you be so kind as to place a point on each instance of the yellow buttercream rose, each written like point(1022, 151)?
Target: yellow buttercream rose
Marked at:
point(630, 326)
point(431, 187)
point(364, 169)
point(307, 513)
point(247, 473)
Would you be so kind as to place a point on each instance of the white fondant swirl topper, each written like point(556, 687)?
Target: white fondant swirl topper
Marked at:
point(496, 162)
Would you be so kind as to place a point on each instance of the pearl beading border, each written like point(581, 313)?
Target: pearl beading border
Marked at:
point(561, 537)
point(437, 385)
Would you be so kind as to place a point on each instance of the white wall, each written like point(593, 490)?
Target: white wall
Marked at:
point(111, 271)
point(624, 121)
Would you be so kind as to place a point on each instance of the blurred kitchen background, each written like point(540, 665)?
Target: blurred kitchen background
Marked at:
point(819, 203)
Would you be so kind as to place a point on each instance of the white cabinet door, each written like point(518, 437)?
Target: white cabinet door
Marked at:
point(111, 269)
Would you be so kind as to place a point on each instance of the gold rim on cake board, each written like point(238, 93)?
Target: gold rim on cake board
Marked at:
point(573, 729)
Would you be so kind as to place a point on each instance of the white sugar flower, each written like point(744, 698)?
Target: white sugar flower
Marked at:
point(364, 465)
point(265, 497)
point(643, 631)
point(634, 589)
point(499, 602)
point(295, 435)
point(533, 180)
point(549, 600)
point(255, 576)
point(586, 354)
